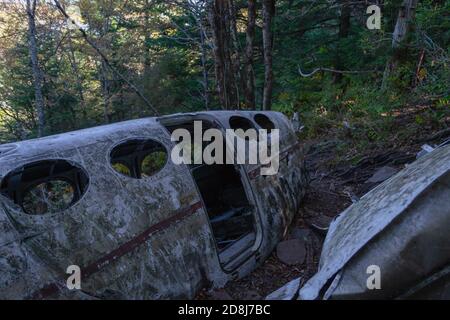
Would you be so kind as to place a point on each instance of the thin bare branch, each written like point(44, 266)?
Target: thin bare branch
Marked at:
point(306, 75)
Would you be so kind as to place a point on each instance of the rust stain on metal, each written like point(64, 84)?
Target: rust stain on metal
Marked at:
point(52, 289)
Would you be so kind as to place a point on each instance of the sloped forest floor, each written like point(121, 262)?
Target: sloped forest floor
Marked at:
point(334, 185)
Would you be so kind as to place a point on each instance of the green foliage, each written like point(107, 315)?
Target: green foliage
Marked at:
point(157, 46)
point(153, 163)
point(357, 100)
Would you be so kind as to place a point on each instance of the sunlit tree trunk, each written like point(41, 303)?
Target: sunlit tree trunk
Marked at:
point(403, 25)
point(405, 18)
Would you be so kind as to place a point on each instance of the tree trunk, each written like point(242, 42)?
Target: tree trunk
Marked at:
point(147, 39)
point(218, 14)
point(235, 58)
point(105, 92)
point(37, 73)
point(204, 66)
point(146, 88)
point(250, 39)
point(405, 16)
point(344, 27)
point(76, 72)
point(404, 19)
point(268, 13)
point(104, 78)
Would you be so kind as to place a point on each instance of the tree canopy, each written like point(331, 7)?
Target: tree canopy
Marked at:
point(129, 59)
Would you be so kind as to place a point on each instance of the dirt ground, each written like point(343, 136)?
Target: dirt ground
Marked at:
point(332, 188)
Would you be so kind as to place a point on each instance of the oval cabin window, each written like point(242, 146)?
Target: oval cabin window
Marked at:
point(264, 122)
point(139, 158)
point(47, 186)
point(238, 122)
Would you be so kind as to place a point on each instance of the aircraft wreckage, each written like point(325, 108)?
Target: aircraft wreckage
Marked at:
point(394, 243)
point(138, 226)
point(109, 201)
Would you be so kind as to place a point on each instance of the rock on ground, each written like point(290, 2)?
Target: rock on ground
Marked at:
point(291, 252)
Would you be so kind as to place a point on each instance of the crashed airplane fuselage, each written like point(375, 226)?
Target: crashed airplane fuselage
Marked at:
point(110, 201)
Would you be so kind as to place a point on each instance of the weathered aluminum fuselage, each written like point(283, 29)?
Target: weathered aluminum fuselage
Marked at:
point(136, 238)
point(394, 243)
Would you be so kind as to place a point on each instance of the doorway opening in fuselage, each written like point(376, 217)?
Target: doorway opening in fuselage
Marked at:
point(222, 189)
